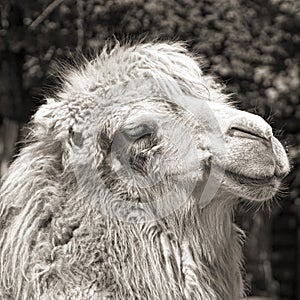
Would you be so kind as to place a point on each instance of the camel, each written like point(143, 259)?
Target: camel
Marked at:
point(127, 181)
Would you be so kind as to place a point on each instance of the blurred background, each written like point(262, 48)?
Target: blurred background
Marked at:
point(252, 46)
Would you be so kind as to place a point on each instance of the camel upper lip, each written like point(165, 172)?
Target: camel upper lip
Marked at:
point(245, 179)
point(241, 178)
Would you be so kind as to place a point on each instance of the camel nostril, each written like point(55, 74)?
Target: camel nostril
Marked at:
point(251, 127)
point(247, 133)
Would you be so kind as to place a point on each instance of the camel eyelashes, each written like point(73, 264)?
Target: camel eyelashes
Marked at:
point(139, 131)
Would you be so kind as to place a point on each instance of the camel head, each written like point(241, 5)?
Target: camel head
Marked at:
point(161, 129)
point(141, 135)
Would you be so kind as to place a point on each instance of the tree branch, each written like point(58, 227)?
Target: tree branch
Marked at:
point(48, 10)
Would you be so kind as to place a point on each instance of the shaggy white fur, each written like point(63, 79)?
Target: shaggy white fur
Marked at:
point(60, 237)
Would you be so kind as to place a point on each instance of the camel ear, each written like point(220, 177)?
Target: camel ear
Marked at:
point(37, 161)
point(76, 137)
point(29, 195)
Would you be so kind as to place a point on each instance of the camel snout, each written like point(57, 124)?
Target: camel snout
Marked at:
point(251, 126)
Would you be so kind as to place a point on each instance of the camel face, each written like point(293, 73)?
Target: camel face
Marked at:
point(163, 144)
point(160, 124)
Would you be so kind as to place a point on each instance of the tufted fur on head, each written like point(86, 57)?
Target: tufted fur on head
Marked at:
point(76, 210)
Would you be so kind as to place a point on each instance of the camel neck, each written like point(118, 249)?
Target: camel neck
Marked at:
point(191, 255)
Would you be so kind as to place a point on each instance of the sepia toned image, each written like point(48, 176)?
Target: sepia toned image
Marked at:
point(149, 149)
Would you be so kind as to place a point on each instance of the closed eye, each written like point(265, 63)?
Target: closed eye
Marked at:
point(139, 131)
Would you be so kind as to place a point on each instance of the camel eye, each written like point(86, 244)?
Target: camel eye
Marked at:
point(139, 131)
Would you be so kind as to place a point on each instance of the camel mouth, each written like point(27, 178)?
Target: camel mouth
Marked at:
point(247, 187)
point(246, 180)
